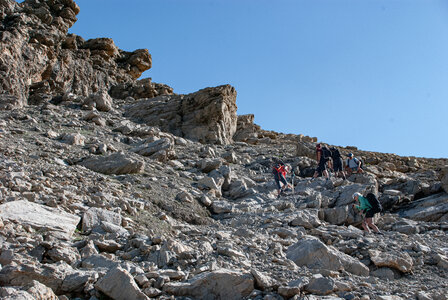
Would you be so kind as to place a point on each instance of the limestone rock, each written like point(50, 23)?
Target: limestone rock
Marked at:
point(31, 291)
point(220, 284)
point(262, 281)
point(246, 130)
point(429, 209)
point(159, 149)
point(400, 261)
point(207, 116)
point(51, 275)
point(293, 288)
point(94, 217)
point(311, 252)
point(116, 163)
point(119, 284)
point(320, 285)
point(306, 218)
point(101, 101)
point(40, 217)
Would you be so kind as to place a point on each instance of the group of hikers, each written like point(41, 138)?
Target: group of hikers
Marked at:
point(330, 159)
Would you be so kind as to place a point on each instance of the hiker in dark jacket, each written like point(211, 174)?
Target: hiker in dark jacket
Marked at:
point(363, 206)
point(279, 170)
point(322, 162)
point(337, 162)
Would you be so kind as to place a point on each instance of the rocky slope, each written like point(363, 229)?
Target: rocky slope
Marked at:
point(117, 188)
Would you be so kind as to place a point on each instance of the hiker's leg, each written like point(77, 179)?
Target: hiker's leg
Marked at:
point(369, 222)
point(364, 225)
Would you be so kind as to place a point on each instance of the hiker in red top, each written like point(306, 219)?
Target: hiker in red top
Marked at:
point(279, 170)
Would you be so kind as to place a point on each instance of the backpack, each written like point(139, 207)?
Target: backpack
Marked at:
point(277, 168)
point(326, 153)
point(374, 202)
point(335, 154)
point(356, 160)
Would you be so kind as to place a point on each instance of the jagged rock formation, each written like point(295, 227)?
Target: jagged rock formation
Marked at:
point(172, 196)
point(207, 116)
point(40, 60)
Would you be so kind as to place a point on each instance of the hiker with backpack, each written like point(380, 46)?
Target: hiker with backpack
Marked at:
point(279, 170)
point(353, 165)
point(368, 206)
point(323, 156)
point(337, 162)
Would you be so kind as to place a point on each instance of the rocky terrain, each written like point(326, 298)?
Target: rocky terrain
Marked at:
point(117, 188)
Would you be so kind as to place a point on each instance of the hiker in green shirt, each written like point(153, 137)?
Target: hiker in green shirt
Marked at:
point(363, 205)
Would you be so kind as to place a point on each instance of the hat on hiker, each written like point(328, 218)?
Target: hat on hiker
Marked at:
point(318, 146)
point(356, 195)
point(350, 154)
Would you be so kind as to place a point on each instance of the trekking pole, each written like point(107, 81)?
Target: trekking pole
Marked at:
point(292, 181)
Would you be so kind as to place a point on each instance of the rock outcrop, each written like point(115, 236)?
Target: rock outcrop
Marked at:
point(40, 60)
point(207, 116)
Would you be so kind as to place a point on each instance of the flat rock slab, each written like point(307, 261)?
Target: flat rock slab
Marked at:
point(40, 217)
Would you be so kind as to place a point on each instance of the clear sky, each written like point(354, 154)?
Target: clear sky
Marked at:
point(365, 73)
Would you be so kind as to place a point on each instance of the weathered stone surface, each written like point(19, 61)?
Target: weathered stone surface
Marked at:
point(94, 217)
point(320, 285)
point(40, 217)
point(444, 178)
point(73, 139)
point(311, 252)
point(78, 280)
point(262, 281)
point(207, 116)
point(101, 101)
point(31, 291)
point(293, 288)
point(306, 218)
point(400, 261)
point(116, 163)
point(119, 284)
point(246, 130)
point(429, 209)
point(54, 62)
point(51, 275)
point(159, 149)
point(220, 284)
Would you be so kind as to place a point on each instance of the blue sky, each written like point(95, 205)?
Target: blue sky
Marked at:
point(365, 73)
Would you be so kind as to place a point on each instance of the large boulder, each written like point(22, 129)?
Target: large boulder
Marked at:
point(120, 285)
point(206, 116)
point(220, 284)
point(31, 291)
point(430, 209)
point(400, 261)
point(51, 275)
point(116, 163)
point(312, 253)
point(40, 217)
point(94, 218)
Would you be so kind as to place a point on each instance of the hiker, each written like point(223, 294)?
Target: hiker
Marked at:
point(322, 156)
point(279, 170)
point(337, 162)
point(363, 205)
point(353, 165)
